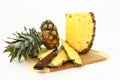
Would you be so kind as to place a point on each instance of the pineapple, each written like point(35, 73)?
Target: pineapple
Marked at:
point(28, 43)
point(49, 55)
point(43, 54)
point(72, 54)
point(61, 58)
point(56, 61)
point(80, 30)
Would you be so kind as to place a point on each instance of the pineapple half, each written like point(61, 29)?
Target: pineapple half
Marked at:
point(80, 30)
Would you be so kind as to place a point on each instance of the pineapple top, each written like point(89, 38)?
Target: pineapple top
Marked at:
point(28, 43)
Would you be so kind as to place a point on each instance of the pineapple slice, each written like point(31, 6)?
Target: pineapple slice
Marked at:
point(44, 53)
point(72, 54)
point(59, 59)
point(48, 56)
point(80, 30)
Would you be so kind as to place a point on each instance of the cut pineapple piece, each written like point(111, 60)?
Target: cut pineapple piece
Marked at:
point(44, 53)
point(72, 54)
point(59, 59)
point(80, 30)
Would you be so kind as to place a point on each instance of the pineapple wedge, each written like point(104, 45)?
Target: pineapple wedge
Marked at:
point(80, 30)
point(44, 53)
point(72, 54)
point(59, 59)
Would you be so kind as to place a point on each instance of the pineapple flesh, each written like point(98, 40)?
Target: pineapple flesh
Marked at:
point(42, 54)
point(46, 59)
point(72, 54)
point(59, 59)
point(80, 30)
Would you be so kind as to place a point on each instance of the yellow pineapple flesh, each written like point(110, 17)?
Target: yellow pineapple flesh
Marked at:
point(44, 53)
point(80, 30)
point(72, 54)
point(59, 59)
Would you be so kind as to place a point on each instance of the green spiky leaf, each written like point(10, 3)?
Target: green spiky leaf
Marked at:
point(26, 44)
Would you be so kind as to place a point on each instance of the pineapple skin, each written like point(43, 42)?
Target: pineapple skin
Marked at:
point(80, 30)
point(49, 34)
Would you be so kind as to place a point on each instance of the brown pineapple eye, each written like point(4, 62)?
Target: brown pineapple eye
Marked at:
point(54, 33)
point(50, 26)
point(50, 37)
point(45, 26)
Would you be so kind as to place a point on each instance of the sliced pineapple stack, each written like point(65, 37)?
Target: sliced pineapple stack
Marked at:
point(71, 53)
point(65, 54)
point(59, 59)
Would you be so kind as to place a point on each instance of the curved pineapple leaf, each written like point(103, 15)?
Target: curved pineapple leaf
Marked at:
point(13, 55)
point(26, 44)
point(9, 48)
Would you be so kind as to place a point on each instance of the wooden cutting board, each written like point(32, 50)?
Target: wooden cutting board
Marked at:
point(92, 56)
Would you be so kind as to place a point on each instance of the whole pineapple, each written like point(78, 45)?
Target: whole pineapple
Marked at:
point(28, 43)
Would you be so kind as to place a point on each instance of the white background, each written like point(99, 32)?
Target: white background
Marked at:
point(15, 14)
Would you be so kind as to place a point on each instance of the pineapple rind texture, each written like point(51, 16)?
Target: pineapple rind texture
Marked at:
point(50, 34)
point(80, 30)
point(59, 59)
point(72, 54)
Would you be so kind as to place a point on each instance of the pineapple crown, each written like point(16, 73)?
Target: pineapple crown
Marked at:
point(25, 44)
